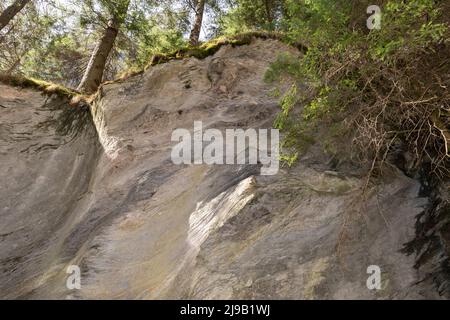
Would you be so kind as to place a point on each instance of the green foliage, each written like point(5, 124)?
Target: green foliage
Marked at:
point(57, 61)
point(248, 15)
point(53, 40)
point(380, 87)
point(152, 32)
point(24, 33)
point(210, 47)
point(286, 63)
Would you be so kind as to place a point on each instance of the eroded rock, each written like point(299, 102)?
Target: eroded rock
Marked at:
point(113, 203)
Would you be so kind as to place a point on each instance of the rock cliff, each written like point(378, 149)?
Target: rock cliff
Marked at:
point(97, 188)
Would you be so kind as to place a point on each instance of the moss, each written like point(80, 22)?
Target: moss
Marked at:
point(202, 51)
point(209, 48)
point(74, 97)
point(206, 49)
point(127, 74)
point(72, 112)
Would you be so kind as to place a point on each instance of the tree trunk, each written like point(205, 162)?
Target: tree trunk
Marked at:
point(269, 16)
point(94, 72)
point(11, 11)
point(14, 66)
point(195, 33)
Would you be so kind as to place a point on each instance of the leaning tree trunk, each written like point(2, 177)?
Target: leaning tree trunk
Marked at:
point(94, 72)
point(269, 16)
point(195, 33)
point(11, 11)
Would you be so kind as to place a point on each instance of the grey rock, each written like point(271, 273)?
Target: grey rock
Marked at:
point(111, 201)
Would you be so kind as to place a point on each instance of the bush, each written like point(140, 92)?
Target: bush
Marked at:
point(381, 89)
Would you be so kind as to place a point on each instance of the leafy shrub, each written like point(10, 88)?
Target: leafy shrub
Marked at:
point(381, 89)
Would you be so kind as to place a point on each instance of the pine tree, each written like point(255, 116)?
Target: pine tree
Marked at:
point(196, 29)
point(96, 66)
point(10, 12)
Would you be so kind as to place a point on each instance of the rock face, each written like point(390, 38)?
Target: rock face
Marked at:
point(102, 193)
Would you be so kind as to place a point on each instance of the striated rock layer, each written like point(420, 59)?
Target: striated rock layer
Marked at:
point(102, 193)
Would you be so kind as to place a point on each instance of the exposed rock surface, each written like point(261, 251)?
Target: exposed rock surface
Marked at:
point(111, 201)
